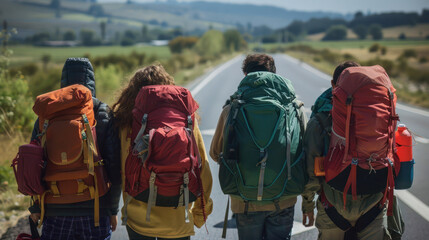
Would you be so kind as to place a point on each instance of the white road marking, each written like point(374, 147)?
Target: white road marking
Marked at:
point(327, 77)
point(208, 132)
point(414, 203)
point(298, 228)
point(212, 75)
point(422, 140)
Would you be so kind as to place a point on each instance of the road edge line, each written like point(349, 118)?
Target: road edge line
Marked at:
point(414, 203)
point(195, 90)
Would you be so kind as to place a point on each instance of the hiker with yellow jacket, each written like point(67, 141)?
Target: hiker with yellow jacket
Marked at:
point(151, 87)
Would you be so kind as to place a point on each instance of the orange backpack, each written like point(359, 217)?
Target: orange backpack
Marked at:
point(74, 170)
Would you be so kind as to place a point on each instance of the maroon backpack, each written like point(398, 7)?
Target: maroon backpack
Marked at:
point(362, 151)
point(163, 164)
point(28, 166)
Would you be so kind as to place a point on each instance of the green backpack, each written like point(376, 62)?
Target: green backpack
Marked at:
point(262, 158)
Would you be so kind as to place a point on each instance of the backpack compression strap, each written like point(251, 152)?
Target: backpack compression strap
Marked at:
point(342, 223)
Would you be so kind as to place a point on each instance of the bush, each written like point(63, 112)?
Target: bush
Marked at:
point(70, 35)
point(178, 44)
point(402, 36)
point(409, 53)
point(338, 32)
point(423, 60)
point(234, 41)
point(211, 44)
point(383, 50)
point(374, 47)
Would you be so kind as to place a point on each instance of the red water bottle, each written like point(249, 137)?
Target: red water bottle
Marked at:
point(404, 142)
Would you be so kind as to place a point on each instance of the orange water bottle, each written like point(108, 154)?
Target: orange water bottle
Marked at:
point(404, 144)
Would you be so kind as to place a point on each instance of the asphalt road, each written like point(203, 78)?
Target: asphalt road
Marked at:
point(214, 88)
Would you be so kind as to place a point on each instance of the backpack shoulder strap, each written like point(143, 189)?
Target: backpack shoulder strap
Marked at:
point(300, 115)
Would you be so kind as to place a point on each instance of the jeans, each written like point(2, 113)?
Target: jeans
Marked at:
point(135, 236)
point(265, 225)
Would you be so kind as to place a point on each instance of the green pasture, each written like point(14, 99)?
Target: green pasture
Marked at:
point(24, 54)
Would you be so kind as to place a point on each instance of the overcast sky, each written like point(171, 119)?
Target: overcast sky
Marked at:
point(342, 6)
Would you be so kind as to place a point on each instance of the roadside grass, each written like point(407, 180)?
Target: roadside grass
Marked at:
point(24, 53)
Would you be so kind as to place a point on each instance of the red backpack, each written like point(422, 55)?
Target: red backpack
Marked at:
point(163, 164)
point(362, 150)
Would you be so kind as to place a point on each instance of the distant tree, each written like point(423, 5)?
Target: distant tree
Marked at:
point(234, 41)
point(96, 10)
point(46, 58)
point(211, 44)
point(376, 32)
point(424, 18)
point(361, 31)
point(55, 4)
point(131, 35)
point(296, 27)
point(338, 32)
point(269, 39)
point(262, 30)
point(87, 38)
point(178, 44)
point(145, 33)
point(103, 30)
point(319, 25)
point(358, 15)
point(69, 35)
point(402, 36)
point(39, 38)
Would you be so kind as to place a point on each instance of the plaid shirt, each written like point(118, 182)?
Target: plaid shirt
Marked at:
point(75, 228)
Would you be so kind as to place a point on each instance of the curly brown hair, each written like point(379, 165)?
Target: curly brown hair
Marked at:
point(150, 75)
point(258, 62)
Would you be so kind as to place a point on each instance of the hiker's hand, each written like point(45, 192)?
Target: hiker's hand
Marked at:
point(113, 222)
point(35, 217)
point(308, 219)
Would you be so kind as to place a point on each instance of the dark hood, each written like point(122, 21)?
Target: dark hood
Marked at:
point(78, 71)
point(323, 102)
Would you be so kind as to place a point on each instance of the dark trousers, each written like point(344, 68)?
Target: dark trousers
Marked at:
point(135, 236)
point(274, 225)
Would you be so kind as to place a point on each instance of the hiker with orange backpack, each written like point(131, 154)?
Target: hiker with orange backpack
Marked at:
point(82, 152)
point(165, 172)
point(364, 215)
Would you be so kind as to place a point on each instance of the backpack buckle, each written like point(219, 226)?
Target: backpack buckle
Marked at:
point(190, 122)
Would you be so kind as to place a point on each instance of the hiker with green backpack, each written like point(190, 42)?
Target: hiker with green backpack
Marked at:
point(362, 216)
point(258, 145)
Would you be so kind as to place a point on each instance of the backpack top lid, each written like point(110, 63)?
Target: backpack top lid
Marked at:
point(267, 84)
point(153, 97)
point(353, 78)
point(72, 100)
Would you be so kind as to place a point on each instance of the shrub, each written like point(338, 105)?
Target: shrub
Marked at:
point(338, 32)
point(423, 60)
point(374, 47)
point(179, 44)
point(402, 36)
point(409, 53)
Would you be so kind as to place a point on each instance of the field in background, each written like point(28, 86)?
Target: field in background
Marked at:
point(24, 54)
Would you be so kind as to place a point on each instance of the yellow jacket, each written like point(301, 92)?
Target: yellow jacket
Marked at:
point(167, 222)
